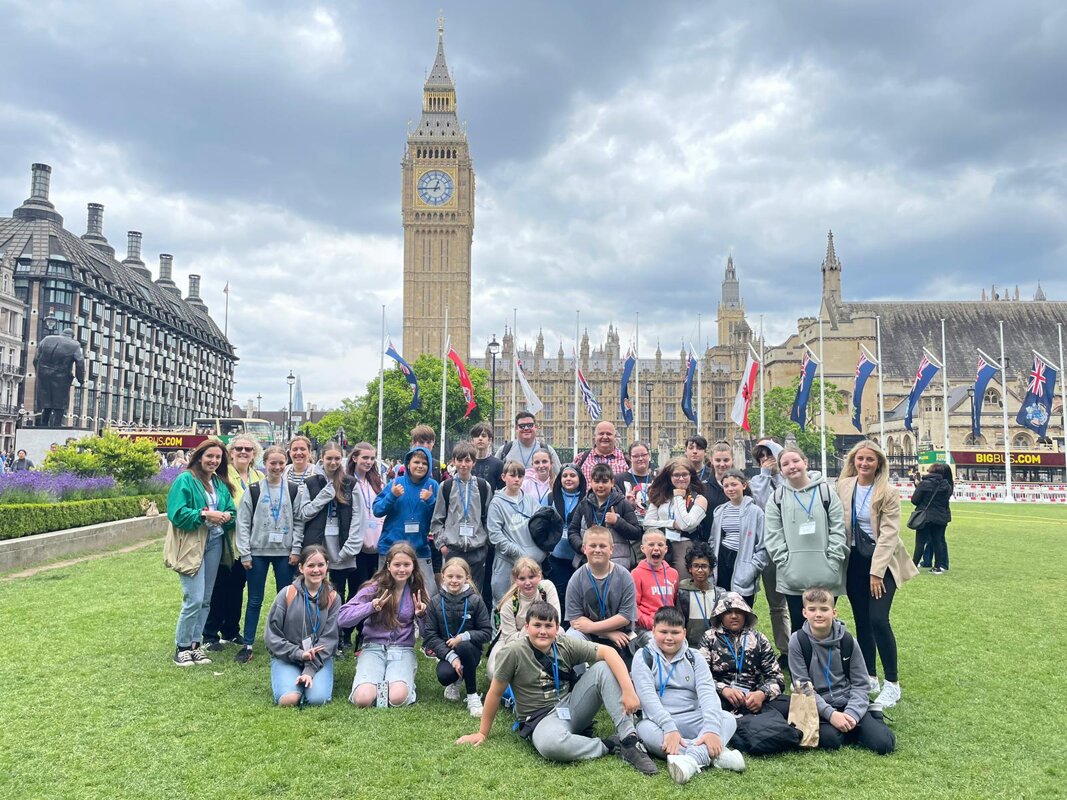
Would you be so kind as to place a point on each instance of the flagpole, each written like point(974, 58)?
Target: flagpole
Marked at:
point(444, 389)
point(226, 318)
point(514, 358)
point(1009, 497)
point(822, 400)
point(944, 392)
point(761, 389)
point(574, 437)
point(637, 377)
point(381, 383)
point(1063, 385)
point(700, 382)
point(881, 396)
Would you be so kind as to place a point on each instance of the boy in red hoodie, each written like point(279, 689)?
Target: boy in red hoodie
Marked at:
point(655, 582)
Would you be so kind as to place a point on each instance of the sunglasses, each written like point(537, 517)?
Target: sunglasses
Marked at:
point(243, 449)
point(526, 426)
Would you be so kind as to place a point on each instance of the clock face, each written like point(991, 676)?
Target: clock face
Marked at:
point(436, 187)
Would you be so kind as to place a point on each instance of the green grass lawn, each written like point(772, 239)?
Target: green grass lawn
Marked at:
point(91, 706)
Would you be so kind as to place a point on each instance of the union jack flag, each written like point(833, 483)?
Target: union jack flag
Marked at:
point(1037, 377)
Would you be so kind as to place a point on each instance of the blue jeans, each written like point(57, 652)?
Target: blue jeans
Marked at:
point(196, 595)
point(283, 675)
point(257, 580)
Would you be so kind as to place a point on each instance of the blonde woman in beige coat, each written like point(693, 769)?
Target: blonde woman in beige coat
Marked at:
point(878, 563)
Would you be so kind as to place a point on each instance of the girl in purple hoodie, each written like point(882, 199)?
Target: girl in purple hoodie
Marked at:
point(390, 605)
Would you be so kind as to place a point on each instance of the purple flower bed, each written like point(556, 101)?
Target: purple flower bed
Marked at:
point(160, 484)
point(31, 487)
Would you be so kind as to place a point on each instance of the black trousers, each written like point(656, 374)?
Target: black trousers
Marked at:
point(346, 583)
point(469, 656)
point(871, 733)
point(227, 598)
point(932, 536)
point(872, 616)
point(724, 567)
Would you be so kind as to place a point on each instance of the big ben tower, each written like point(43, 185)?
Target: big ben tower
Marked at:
point(437, 199)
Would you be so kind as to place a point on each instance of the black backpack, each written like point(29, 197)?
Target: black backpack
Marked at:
point(848, 645)
point(254, 491)
point(483, 492)
point(646, 654)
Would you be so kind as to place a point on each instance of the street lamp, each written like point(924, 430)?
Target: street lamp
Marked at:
point(259, 405)
point(290, 379)
point(494, 348)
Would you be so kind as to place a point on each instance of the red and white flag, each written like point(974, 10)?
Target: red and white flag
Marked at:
point(464, 381)
point(745, 392)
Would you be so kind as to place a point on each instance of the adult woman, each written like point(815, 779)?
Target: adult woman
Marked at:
point(804, 533)
point(877, 562)
point(200, 509)
point(932, 494)
point(537, 483)
point(302, 634)
point(677, 504)
point(224, 619)
point(300, 468)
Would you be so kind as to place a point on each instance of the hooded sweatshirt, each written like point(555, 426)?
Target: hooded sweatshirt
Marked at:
point(844, 692)
point(375, 631)
point(566, 504)
point(408, 509)
point(751, 554)
point(288, 624)
point(743, 660)
point(592, 512)
point(509, 530)
point(462, 614)
point(698, 605)
point(256, 527)
point(934, 490)
point(767, 481)
point(448, 515)
point(804, 559)
point(688, 693)
point(654, 589)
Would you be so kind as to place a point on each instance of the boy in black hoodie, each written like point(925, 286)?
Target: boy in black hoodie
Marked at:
point(607, 506)
point(825, 654)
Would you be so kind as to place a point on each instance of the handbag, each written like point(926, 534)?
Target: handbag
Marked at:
point(918, 516)
point(803, 713)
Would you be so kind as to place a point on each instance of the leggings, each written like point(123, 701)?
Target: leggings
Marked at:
point(346, 583)
point(469, 656)
point(724, 567)
point(872, 616)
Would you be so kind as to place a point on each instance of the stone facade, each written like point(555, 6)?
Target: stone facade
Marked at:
point(12, 311)
point(152, 358)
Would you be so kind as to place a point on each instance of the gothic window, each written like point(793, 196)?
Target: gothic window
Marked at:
point(1022, 441)
point(992, 397)
point(974, 441)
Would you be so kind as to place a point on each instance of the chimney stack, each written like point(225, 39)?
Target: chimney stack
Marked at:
point(94, 230)
point(39, 183)
point(37, 205)
point(133, 256)
point(165, 280)
point(194, 294)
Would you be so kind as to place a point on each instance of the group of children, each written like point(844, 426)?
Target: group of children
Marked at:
point(671, 634)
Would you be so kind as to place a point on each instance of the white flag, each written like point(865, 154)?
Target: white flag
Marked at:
point(533, 402)
point(745, 391)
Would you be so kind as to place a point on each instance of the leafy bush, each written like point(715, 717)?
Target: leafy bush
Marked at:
point(26, 519)
point(105, 455)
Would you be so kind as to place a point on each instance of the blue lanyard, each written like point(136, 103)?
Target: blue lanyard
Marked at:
point(603, 513)
point(811, 503)
point(662, 589)
point(703, 611)
point(738, 663)
point(275, 510)
point(462, 621)
point(542, 495)
point(659, 669)
point(307, 613)
point(519, 506)
point(331, 509)
point(827, 673)
point(570, 502)
point(703, 471)
point(638, 484)
point(555, 670)
point(601, 598)
point(466, 497)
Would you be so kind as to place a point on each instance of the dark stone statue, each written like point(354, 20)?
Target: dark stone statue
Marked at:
point(56, 355)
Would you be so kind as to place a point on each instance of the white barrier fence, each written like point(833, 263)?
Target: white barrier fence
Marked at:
point(995, 492)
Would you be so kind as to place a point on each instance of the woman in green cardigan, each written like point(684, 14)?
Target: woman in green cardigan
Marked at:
point(201, 510)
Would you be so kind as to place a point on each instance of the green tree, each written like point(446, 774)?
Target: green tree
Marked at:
point(107, 454)
point(359, 415)
point(776, 410)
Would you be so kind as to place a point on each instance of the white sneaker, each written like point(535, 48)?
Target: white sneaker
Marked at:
point(874, 687)
point(452, 692)
point(474, 705)
point(730, 759)
point(682, 768)
point(889, 696)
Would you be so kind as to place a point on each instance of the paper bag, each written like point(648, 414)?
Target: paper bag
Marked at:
point(803, 714)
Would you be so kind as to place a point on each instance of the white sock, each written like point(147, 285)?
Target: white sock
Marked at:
point(699, 754)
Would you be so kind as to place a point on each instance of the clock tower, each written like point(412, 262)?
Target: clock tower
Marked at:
point(437, 201)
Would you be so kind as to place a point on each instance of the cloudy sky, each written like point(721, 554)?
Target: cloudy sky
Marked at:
point(623, 150)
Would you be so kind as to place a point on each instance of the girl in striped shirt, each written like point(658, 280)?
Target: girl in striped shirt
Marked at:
point(737, 538)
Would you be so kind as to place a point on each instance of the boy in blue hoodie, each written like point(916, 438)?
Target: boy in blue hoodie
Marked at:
point(825, 654)
point(406, 504)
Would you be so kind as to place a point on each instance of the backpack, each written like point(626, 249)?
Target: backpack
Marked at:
point(848, 644)
point(824, 495)
point(290, 596)
point(483, 492)
point(646, 654)
point(255, 493)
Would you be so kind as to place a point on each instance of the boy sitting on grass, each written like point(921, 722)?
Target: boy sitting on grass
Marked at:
point(825, 654)
point(600, 604)
point(554, 708)
point(682, 719)
point(655, 583)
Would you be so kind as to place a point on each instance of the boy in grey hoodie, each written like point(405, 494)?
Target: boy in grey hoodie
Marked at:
point(834, 665)
point(683, 720)
point(460, 513)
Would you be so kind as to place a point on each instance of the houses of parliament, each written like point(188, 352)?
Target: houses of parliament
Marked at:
point(438, 201)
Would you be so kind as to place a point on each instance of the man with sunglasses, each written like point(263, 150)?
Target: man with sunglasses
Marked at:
point(526, 443)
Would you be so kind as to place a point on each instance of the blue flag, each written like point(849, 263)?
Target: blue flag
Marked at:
point(409, 374)
point(923, 376)
point(863, 371)
point(1040, 391)
point(985, 373)
point(799, 413)
point(687, 389)
point(624, 390)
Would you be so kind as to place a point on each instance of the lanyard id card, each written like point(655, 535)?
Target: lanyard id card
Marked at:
point(466, 530)
point(332, 527)
point(563, 713)
point(305, 643)
point(277, 536)
point(807, 528)
point(411, 527)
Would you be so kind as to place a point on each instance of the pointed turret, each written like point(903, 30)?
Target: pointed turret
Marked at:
point(439, 122)
point(831, 273)
point(1039, 295)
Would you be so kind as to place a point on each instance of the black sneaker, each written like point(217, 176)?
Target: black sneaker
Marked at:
point(199, 656)
point(215, 645)
point(183, 658)
point(633, 753)
point(340, 652)
point(612, 743)
point(244, 655)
